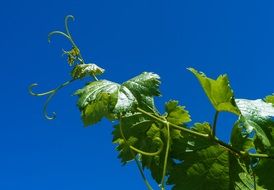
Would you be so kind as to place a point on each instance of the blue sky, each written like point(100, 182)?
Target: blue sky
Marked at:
point(126, 37)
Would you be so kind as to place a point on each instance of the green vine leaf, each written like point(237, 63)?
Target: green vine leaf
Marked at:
point(176, 114)
point(250, 125)
point(185, 157)
point(218, 91)
point(210, 168)
point(255, 108)
point(262, 113)
point(145, 135)
point(147, 103)
point(240, 138)
point(104, 98)
point(147, 83)
point(203, 165)
point(257, 115)
point(138, 132)
point(189, 143)
point(156, 163)
point(82, 70)
point(202, 128)
point(264, 171)
point(270, 99)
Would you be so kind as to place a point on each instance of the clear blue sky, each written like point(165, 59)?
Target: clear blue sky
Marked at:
point(125, 37)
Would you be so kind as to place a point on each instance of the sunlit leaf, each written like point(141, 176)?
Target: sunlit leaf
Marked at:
point(218, 91)
point(193, 157)
point(270, 99)
point(104, 98)
point(83, 70)
point(255, 108)
point(147, 83)
point(176, 114)
point(257, 115)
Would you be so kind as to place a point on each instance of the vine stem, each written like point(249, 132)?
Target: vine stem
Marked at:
point(139, 165)
point(229, 147)
point(138, 150)
point(254, 180)
point(173, 125)
point(166, 157)
point(69, 37)
point(260, 155)
point(221, 143)
point(215, 124)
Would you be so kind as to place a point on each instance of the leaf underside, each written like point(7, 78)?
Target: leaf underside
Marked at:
point(144, 133)
point(207, 166)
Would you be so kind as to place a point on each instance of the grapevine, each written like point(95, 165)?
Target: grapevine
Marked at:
point(186, 157)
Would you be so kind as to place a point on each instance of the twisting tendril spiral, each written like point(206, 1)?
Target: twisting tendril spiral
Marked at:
point(51, 93)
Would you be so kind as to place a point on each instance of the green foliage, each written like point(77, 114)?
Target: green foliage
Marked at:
point(211, 168)
point(218, 91)
point(147, 135)
point(72, 55)
point(176, 114)
point(147, 83)
point(104, 98)
point(264, 172)
point(240, 139)
point(82, 70)
point(257, 115)
point(176, 154)
point(134, 129)
point(270, 99)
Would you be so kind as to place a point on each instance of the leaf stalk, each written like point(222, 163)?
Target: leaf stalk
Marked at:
point(138, 150)
point(139, 165)
point(215, 124)
point(221, 143)
point(172, 124)
point(166, 157)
